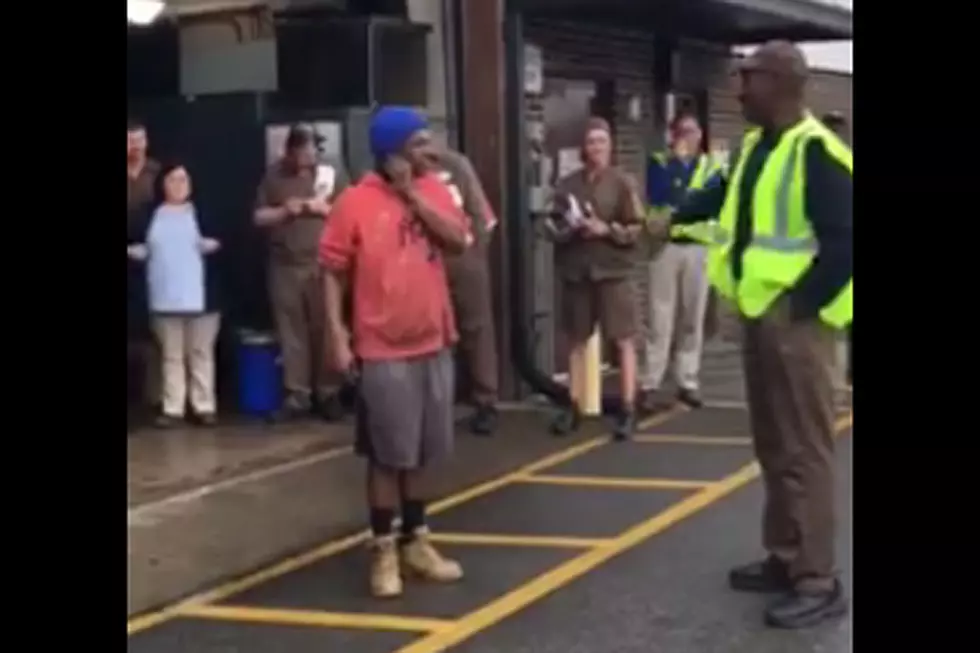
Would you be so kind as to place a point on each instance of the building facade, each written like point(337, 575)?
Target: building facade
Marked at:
point(508, 81)
point(632, 62)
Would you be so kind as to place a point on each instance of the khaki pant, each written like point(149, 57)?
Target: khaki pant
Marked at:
point(187, 350)
point(679, 299)
point(296, 294)
point(469, 285)
point(791, 405)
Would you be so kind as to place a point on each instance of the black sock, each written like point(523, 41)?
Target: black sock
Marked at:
point(381, 521)
point(413, 517)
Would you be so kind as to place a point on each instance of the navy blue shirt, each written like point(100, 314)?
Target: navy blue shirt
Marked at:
point(829, 196)
point(667, 185)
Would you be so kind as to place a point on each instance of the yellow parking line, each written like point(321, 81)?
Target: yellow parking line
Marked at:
point(614, 482)
point(495, 611)
point(693, 439)
point(315, 619)
point(489, 539)
point(221, 592)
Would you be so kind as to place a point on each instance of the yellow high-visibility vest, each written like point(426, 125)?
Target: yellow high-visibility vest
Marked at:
point(783, 244)
point(702, 232)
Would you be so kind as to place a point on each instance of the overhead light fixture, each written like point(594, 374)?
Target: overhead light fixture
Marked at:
point(143, 12)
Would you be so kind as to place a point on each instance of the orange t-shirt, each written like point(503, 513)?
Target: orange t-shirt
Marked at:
point(397, 277)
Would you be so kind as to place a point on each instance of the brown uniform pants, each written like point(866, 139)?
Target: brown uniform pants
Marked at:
point(296, 294)
point(469, 286)
point(791, 405)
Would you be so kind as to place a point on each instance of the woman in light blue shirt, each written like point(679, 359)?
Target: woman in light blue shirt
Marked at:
point(180, 296)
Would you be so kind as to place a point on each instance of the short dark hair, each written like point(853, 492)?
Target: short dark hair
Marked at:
point(301, 136)
point(135, 125)
point(159, 195)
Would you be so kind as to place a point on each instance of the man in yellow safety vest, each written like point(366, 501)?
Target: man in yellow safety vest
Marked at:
point(837, 123)
point(783, 257)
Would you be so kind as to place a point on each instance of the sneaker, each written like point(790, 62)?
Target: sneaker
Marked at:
point(421, 559)
point(386, 579)
point(803, 608)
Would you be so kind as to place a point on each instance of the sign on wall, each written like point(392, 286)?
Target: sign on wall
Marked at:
point(533, 69)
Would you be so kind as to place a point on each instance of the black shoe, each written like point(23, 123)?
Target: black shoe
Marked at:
point(625, 426)
point(166, 422)
point(296, 406)
point(566, 422)
point(769, 575)
point(330, 408)
point(206, 419)
point(801, 609)
point(653, 402)
point(483, 422)
point(690, 398)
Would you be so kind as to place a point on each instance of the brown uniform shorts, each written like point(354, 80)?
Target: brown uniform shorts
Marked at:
point(611, 304)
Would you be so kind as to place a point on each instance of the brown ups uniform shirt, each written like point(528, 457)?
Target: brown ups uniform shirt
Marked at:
point(596, 273)
point(139, 191)
point(612, 195)
point(295, 291)
point(469, 282)
point(295, 241)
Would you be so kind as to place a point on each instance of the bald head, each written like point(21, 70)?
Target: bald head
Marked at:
point(779, 58)
point(773, 79)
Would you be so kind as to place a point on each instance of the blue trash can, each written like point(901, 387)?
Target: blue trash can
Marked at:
point(259, 376)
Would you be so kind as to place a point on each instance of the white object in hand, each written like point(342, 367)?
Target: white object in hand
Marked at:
point(324, 182)
point(446, 178)
point(574, 214)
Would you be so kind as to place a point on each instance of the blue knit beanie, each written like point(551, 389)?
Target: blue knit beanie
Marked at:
point(391, 127)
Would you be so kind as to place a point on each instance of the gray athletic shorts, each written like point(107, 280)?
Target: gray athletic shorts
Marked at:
point(405, 410)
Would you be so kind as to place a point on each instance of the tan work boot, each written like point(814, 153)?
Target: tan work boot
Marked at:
point(420, 558)
point(386, 579)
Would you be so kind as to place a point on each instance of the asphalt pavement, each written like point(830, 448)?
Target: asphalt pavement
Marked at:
point(604, 548)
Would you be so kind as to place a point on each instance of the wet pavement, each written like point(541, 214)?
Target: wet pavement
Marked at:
point(162, 463)
point(230, 524)
point(600, 548)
